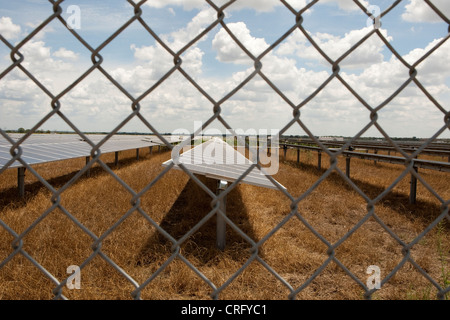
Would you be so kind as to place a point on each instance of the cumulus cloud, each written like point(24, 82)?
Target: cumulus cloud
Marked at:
point(66, 54)
point(335, 46)
point(347, 5)
point(186, 4)
point(420, 11)
point(258, 5)
point(176, 103)
point(8, 29)
point(41, 62)
point(154, 61)
point(228, 50)
point(432, 69)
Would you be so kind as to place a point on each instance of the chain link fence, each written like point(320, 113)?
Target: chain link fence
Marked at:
point(55, 14)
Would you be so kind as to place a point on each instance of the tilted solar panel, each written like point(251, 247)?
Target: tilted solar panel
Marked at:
point(218, 160)
point(42, 148)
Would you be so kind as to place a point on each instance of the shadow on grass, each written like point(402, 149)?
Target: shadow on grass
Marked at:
point(190, 207)
point(426, 211)
point(11, 195)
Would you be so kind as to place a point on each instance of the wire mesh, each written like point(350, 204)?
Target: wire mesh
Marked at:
point(57, 110)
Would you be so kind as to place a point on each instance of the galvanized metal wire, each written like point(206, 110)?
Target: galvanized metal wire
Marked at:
point(136, 10)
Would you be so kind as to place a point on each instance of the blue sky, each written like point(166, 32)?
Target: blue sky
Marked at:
point(136, 61)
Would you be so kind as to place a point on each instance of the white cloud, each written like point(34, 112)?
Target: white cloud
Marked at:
point(435, 69)
point(155, 61)
point(186, 4)
point(38, 58)
point(180, 38)
point(258, 5)
point(261, 5)
point(228, 50)
point(65, 54)
point(335, 46)
point(420, 11)
point(176, 103)
point(347, 5)
point(8, 29)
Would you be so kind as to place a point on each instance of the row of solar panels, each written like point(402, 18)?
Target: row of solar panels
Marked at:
point(42, 148)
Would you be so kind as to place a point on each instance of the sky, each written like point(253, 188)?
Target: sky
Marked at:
point(218, 65)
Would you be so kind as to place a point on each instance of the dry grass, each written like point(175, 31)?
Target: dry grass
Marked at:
point(177, 204)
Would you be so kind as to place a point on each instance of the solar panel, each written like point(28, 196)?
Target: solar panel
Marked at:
point(43, 148)
point(169, 138)
point(218, 160)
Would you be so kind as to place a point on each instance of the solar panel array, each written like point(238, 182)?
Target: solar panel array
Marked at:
point(218, 160)
point(43, 148)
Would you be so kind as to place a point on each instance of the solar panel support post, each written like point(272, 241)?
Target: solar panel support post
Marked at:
point(258, 156)
point(413, 188)
point(21, 181)
point(347, 166)
point(151, 149)
point(116, 158)
point(137, 154)
point(298, 155)
point(88, 172)
point(221, 224)
point(319, 160)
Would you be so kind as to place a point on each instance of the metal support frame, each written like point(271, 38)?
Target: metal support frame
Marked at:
point(413, 188)
point(116, 158)
point(137, 154)
point(221, 224)
point(21, 180)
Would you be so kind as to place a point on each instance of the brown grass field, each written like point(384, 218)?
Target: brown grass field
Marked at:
point(176, 203)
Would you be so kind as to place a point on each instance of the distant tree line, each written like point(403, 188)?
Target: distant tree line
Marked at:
point(23, 130)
